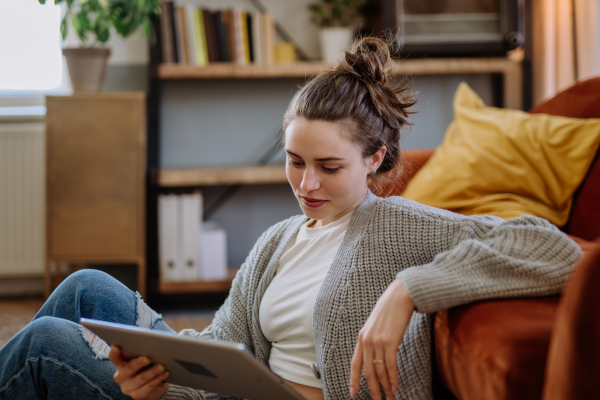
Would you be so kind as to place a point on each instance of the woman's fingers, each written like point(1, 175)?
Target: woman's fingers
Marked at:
point(391, 364)
point(356, 369)
point(381, 370)
point(148, 381)
point(133, 385)
point(150, 388)
point(369, 369)
point(116, 357)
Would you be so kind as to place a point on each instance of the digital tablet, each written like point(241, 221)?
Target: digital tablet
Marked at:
point(219, 367)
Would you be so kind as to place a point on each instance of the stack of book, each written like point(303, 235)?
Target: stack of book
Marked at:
point(198, 36)
point(189, 250)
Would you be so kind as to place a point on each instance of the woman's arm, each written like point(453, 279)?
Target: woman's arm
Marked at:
point(525, 256)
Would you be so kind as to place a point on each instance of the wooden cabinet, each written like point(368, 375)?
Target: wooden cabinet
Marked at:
point(95, 185)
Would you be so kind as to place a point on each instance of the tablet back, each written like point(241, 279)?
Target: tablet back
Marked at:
point(219, 367)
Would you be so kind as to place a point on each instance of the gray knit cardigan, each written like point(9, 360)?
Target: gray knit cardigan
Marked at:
point(444, 260)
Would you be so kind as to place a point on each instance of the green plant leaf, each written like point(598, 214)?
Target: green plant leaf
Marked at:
point(64, 25)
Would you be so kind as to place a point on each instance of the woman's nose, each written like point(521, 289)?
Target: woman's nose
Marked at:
point(310, 181)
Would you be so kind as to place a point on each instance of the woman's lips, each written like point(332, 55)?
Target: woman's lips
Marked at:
point(312, 203)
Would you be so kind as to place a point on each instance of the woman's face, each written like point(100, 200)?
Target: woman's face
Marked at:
point(326, 169)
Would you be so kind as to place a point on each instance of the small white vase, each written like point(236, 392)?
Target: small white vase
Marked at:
point(334, 41)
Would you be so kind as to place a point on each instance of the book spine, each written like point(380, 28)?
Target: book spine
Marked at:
point(245, 37)
point(190, 32)
point(165, 34)
point(181, 36)
point(228, 22)
point(269, 43)
point(223, 37)
point(173, 31)
point(239, 38)
point(257, 39)
point(200, 35)
point(216, 19)
point(249, 25)
point(208, 32)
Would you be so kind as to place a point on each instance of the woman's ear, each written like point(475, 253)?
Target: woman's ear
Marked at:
point(376, 159)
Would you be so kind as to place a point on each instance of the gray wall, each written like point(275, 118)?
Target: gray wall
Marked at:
point(234, 122)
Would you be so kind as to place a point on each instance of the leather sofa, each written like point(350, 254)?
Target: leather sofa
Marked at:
point(529, 348)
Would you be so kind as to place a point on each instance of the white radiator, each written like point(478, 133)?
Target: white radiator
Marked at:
point(22, 204)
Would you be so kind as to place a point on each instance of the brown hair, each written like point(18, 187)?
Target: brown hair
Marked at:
point(359, 94)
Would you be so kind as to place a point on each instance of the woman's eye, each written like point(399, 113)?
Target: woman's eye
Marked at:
point(294, 163)
point(330, 170)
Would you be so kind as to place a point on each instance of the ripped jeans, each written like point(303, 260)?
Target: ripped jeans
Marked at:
point(54, 357)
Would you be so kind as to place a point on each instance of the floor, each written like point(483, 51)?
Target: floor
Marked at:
point(15, 314)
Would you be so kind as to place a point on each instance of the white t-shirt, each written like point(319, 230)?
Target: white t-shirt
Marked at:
point(286, 309)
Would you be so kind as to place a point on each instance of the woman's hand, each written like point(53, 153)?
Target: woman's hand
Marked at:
point(378, 342)
point(135, 379)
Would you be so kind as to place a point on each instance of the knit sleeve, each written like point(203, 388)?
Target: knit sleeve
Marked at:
point(525, 256)
point(175, 392)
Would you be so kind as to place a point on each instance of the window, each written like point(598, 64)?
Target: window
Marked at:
point(30, 51)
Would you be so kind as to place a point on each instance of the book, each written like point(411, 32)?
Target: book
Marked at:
point(190, 32)
point(257, 41)
point(165, 34)
point(227, 18)
point(213, 248)
point(250, 38)
point(209, 32)
point(246, 45)
point(168, 238)
point(200, 37)
point(190, 215)
point(173, 31)
point(181, 35)
point(216, 20)
point(240, 55)
point(223, 38)
point(269, 38)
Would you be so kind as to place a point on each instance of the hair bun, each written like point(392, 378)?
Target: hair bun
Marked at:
point(369, 60)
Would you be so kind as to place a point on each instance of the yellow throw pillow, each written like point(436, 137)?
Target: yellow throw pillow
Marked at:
point(507, 163)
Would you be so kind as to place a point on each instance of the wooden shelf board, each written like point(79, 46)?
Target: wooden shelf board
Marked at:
point(198, 286)
point(222, 176)
point(230, 70)
point(429, 66)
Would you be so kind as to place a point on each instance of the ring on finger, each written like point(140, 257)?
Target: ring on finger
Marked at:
point(377, 361)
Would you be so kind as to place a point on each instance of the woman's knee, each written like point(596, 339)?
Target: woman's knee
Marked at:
point(84, 279)
point(47, 332)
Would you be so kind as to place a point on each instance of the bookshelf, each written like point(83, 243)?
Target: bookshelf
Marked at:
point(163, 179)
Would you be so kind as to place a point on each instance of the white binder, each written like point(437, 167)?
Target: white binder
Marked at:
point(213, 247)
point(167, 237)
point(190, 216)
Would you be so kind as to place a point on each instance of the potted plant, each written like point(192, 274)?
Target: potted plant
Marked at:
point(92, 21)
point(335, 18)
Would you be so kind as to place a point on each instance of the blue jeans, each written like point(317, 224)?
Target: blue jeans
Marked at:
point(54, 357)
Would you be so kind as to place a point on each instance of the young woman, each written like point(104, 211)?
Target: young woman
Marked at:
point(338, 301)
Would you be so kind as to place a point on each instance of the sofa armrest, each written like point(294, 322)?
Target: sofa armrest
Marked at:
point(574, 356)
point(395, 182)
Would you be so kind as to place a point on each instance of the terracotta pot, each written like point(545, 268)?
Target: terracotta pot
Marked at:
point(87, 68)
point(334, 41)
